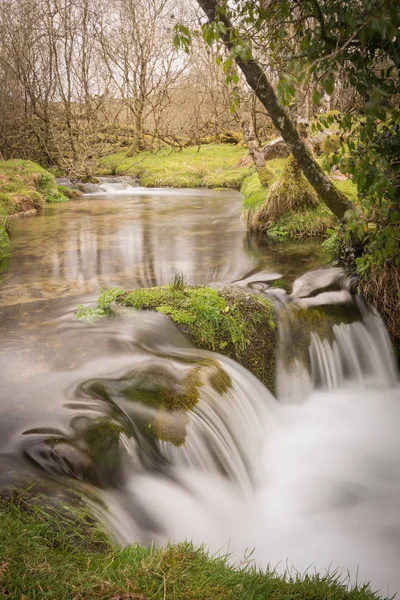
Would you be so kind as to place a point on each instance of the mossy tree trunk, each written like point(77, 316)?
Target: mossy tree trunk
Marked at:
point(258, 81)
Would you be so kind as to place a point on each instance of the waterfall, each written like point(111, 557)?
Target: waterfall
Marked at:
point(310, 484)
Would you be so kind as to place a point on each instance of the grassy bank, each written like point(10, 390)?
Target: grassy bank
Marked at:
point(309, 222)
point(213, 166)
point(24, 187)
point(48, 554)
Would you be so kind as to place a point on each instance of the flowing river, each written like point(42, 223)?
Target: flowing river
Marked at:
point(310, 482)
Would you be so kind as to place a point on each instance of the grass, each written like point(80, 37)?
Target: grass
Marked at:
point(24, 186)
point(49, 553)
point(213, 166)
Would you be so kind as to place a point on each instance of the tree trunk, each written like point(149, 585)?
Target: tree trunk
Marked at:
point(257, 80)
point(246, 123)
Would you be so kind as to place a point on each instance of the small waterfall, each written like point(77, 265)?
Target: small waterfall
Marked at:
point(310, 480)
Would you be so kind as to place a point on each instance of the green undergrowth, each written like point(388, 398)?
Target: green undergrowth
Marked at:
point(52, 553)
point(102, 307)
point(214, 166)
point(24, 186)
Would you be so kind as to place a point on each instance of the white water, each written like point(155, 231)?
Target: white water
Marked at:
point(314, 483)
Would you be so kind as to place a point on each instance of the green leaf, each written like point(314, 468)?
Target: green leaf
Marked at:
point(316, 97)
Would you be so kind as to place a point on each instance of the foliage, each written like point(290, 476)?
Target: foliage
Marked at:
point(333, 242)
point(102, 308)
point(62, 553)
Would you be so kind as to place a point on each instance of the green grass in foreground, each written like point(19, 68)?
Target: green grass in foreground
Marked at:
point(213, 166)
point(24, 186)
point(48, 555)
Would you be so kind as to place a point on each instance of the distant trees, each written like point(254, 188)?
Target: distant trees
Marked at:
point(82, 78)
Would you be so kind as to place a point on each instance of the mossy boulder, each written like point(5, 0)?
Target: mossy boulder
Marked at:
point(226, 320)
point(290, 193)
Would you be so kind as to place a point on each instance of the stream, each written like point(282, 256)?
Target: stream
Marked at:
point(310, 482)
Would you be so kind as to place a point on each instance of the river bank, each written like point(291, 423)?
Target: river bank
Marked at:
point(51, 553)
point(225, 166)
point(24, 188)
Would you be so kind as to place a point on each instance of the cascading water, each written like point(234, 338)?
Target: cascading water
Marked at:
point(313, 484)
point(310, 482)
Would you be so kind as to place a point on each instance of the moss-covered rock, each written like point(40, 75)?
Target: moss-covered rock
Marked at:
point(290, 193)
point(227, 320)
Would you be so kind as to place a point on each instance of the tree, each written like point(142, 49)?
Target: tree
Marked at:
point(238, 44)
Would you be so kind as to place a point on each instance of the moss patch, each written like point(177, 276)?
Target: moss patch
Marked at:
point(51, 553)
point(229, 321)
point(24, 186)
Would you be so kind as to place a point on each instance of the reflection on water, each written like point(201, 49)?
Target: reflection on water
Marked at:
point(140, 240)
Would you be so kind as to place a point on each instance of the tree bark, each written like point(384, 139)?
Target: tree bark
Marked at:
point(257, 80)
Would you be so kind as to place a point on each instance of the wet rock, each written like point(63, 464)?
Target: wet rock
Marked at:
point(323, 280)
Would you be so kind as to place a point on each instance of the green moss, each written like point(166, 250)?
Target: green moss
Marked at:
point(219, 380)
point(207, 317)
point(69, 192)
point(238, 325)
point(102, 308)
point(102, 437)
point(266, 176)
point(63, 553)
point(310, 222)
